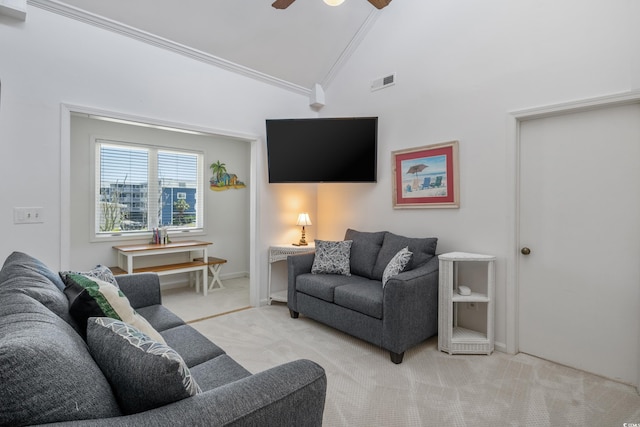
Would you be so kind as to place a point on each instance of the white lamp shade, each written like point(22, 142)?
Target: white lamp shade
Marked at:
point(303, 219)
point(334, 2)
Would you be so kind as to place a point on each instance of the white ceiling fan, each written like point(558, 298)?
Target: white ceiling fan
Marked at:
point(283, 4)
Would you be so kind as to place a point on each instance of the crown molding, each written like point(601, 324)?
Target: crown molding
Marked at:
point(134, 33)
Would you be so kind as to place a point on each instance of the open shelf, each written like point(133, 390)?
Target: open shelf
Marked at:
point(452, 338)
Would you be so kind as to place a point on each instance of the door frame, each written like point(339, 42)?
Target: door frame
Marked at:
point(514, 121)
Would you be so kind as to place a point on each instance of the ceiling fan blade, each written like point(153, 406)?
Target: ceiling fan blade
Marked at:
point(283, 4)
point(380, 3)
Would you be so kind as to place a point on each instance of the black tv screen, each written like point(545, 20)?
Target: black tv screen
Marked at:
point(322, 150)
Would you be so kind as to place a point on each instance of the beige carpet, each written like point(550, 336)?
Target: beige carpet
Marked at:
point(190, 306)
point(429, 388)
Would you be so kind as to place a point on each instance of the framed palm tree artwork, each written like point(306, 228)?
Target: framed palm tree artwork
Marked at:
point(426, 177)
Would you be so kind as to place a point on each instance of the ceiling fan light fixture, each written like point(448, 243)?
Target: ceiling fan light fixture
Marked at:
point(334, 2)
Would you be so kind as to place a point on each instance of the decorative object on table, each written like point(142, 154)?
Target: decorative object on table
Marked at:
point(426, 177)
point(222, 180)
point(303, 220)
point(160, 236)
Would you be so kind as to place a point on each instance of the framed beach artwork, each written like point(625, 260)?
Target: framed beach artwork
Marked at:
point(426, 177)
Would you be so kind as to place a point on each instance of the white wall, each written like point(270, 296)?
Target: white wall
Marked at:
point(49, 60)
point(461, 67)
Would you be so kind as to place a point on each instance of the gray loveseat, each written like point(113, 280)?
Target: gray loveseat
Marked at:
point(395, 317)
point(48, 375)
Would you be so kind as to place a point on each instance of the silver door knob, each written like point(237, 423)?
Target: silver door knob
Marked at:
point(525, 251)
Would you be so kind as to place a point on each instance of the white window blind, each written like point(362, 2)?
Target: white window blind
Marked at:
point(139, 188)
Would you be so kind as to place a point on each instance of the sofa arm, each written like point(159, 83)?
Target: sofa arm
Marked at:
point(141, 289)
point(410, 306)
point(296, 265)
point(292, 394)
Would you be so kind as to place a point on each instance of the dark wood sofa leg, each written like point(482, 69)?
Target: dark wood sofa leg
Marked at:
point(293, 314)
point(396, 357)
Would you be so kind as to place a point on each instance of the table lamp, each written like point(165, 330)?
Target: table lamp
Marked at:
point(303, 220)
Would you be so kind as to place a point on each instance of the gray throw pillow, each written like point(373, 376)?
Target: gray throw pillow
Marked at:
point(396, 265)
point(144, 374)
point(101, 272)
point(332, 257)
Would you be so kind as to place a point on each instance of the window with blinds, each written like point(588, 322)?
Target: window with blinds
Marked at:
point(139, 188)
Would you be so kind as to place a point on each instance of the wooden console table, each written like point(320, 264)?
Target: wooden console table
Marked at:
point(127, 253)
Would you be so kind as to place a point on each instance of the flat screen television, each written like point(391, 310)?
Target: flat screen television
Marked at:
point(322, 150)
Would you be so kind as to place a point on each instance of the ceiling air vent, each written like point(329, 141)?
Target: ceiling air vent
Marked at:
point(383, 82)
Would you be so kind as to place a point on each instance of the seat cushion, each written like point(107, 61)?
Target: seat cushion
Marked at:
point(144, 373)
point(364, 297)
point(322, 285)
point(423, 250)
point(47, 373)
point(160, 317)
point(194, 347)
point(364, 251)
point(217, 372)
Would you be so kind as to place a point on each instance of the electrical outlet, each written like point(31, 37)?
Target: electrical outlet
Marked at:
point(28, 215)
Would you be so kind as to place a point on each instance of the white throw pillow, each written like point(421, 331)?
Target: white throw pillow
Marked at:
point(396, 265)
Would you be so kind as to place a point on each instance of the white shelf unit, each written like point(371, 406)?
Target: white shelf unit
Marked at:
point(280, 253)
point(452, 338)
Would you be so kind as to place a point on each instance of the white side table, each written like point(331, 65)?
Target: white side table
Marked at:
point(280, 253)
point(453, 338)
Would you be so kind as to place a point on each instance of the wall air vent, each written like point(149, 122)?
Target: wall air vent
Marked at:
point(383, 82)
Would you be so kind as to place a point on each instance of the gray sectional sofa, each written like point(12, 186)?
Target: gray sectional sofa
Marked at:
point(396, 316)
point(48, 374)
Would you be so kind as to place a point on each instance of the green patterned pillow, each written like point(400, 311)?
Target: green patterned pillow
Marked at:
point(332, 257)
point(144, 373)
point(91, 297)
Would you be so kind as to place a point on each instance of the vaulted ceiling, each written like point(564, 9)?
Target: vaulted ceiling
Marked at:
point(299, 46)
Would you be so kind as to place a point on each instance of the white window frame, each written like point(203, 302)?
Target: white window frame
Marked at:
point(152, 205)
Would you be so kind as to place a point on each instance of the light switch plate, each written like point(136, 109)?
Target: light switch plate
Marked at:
point(28, 215)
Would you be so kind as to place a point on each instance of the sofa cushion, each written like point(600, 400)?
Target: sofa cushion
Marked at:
point(397, 264)
point(423, 250)
point(91, 297)
point(47, 373)
point(363, 296)
point(160, 317)
point(364, 251)
point(194, 347)
point(144, 373)
point(323, 285)
point(217, 372)
point(332, 257)
point(21, 264)
point(21, 273)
